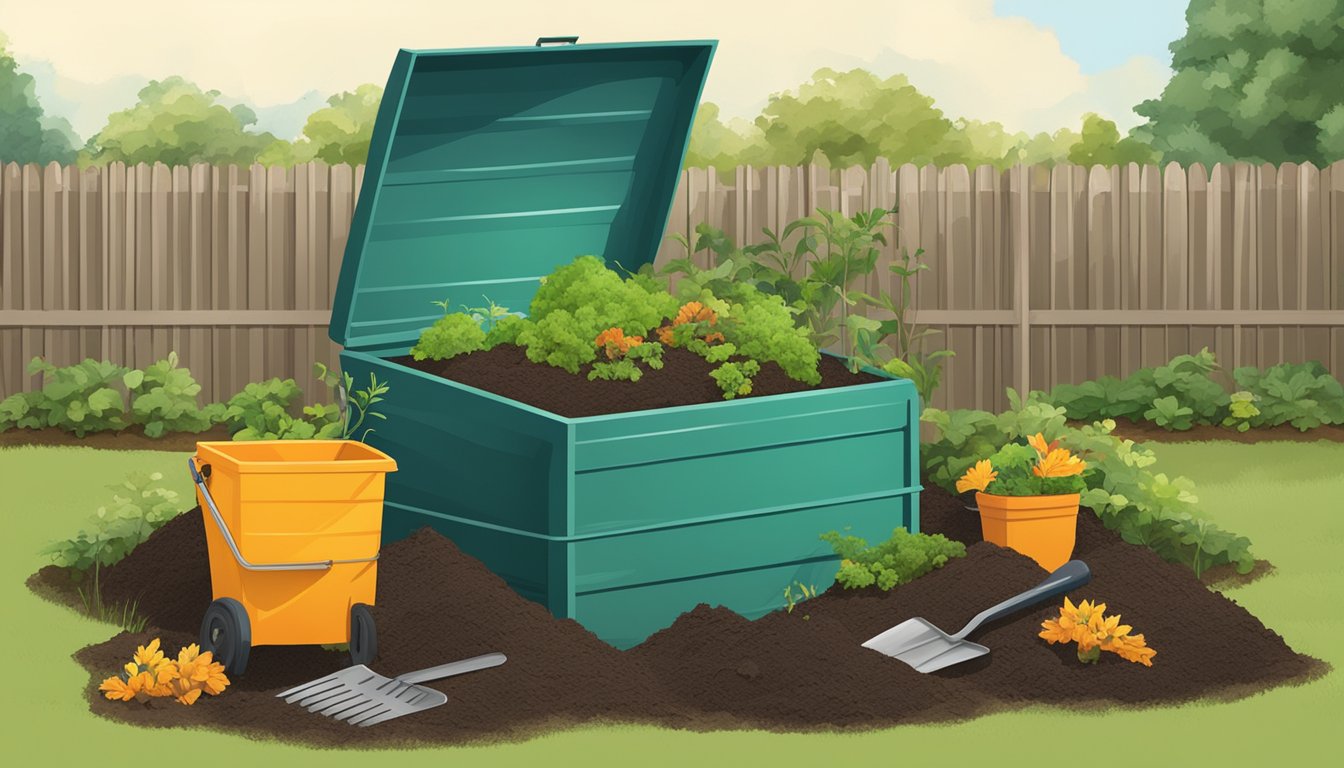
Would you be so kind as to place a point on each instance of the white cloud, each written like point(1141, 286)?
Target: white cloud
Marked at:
point(273, 52)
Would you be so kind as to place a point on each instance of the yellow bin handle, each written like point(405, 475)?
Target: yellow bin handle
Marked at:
point(198, 477)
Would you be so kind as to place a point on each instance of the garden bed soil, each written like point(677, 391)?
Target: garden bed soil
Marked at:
point(683, 380)
point(803, 670)
point(129, 439)
point(1146, 431)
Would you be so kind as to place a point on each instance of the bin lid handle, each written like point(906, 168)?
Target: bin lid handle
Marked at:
point(569, 39)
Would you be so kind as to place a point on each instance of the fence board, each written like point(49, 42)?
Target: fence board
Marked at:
point(1135, 249)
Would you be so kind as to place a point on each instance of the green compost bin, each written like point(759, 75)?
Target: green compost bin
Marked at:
point(488, 169)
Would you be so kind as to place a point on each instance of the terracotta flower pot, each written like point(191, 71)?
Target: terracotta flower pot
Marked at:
point(1043, 528)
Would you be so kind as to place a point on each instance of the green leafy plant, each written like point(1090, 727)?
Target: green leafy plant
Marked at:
point(491, 314)
point(261, 411)
point(902, 558)
point(618, 370)
point(735, 378)
point(1302, 394)
point(81, 398)
point(1038, 468)
point(449, 336)
point(1167, 412)
point(363, 400)
point(505, 331)
point(1241, 411)
point(163, 399)
point(560, 339)
point(140, 505)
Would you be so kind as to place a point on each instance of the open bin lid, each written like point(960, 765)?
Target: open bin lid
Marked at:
point(490, 167)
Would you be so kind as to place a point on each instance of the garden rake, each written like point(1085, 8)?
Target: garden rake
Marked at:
point(362, 697)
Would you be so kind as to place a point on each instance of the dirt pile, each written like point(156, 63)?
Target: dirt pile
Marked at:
point(683, 380)
point(712, 668)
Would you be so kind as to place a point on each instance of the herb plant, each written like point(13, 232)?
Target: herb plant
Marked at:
point(735, 378)
point(451, 335)
point(902, 558)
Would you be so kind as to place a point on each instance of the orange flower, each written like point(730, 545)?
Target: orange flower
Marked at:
point(1059, 463)
point(695, 312)
point(1037, 441)
point(713, 337)
point(977, 478)
point(616, 343)
point(665, 335)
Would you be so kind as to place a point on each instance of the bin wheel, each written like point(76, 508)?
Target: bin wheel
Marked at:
point(227, 633)
point(363, 635)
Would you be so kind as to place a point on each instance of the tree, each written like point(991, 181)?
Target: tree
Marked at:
point(176, 123)
point(852, 118)
point(715, 144)
point(27, 134)
point(1100, 144)
point(341, 131)
point(1256, 80)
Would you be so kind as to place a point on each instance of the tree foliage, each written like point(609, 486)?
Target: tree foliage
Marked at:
point(1100, 144)
point(27, 134)
point(176, 123)
point(341, 131)
point(1255, 80)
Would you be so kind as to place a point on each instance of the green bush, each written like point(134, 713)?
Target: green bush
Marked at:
point(1175, 396)
point(505, 331)
point(163, 399)
point(633, 305)
point(561, 339)
point(449, 336)
point(81, 398)
point(898, 560)
point(1144, 507)
point(1304, 395)
point(139, 506)
point(763, 329)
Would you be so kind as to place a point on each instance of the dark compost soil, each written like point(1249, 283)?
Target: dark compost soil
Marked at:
point(129, 439)
point(683, 380)
point(711, 668)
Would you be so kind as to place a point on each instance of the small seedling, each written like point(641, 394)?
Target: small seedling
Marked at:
point(805, 592)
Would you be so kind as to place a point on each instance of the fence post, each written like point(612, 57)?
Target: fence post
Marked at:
point(1023, 302)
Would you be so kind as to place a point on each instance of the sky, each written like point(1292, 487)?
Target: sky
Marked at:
point(1034, 65)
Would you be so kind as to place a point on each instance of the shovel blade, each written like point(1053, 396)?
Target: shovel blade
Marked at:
point(923, 646)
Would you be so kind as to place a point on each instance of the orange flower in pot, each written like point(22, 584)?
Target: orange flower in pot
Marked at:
point(1028, 497)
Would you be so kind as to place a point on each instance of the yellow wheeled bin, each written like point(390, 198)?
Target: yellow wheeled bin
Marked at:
point(293, 529)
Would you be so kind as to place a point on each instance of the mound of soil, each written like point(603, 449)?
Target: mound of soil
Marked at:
point(683, 380)
point(712, 668)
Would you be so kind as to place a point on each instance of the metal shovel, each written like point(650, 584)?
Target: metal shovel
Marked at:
point(928, 648)
point(362, 697)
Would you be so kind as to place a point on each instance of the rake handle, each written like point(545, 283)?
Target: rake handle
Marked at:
point(453, 668)
point(1065, 578)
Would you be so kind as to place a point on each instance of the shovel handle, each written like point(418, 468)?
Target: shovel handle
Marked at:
point(1065, 578)
point(453, 668)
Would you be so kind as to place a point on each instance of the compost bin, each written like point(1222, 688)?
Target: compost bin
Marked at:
point(488, 169)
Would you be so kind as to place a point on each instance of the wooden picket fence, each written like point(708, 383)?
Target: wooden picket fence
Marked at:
point(1038, 275)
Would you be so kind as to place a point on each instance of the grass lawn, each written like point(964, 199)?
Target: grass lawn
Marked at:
point(1287, 497)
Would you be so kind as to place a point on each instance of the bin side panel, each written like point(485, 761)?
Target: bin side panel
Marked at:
point(746, 543)
point(466, 453)
point(779, 454)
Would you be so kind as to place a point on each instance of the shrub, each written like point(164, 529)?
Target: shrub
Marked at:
point(140, 505)
point(81, 398)
point(632, 305)
point(763, 329)
point(898, 560)
point(1302, 394)
point(505, 331)
point(164, 399)
point(561, 339)
point(449, 336)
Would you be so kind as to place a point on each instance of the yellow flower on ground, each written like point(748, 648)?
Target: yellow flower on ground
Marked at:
point(149, 657)
point(1134, 648)
point(115, 688)
point(1059, 463)
point(1088, 625)
point(977, 478)
point(197, 672)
